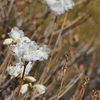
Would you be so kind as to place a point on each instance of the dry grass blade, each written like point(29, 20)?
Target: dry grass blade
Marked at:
point(67, 87)
point(64, 67)
point(5, 63)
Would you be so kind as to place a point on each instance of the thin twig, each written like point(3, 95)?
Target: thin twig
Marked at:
point(21, 82)
point(64, 71)
point(61, 30)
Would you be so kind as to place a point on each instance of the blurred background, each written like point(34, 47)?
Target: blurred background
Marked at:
point(79, 39)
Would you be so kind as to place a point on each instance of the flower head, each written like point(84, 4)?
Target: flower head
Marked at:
point(24, 50)
point(30, 51)
point(16, 33)
point(59, 6)
point(14, 71)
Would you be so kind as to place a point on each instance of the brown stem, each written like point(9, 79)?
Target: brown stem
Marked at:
point(21, 81)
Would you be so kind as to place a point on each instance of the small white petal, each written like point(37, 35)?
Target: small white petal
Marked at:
point(50, 2)
point(40, 88)
point(7, 41)
point(24, 88)
point(45, 49)
point(25, 39)
point(28, 68)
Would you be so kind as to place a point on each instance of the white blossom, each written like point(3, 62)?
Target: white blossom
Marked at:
point(30, 51)
point(14, 71)
point(23, 50)
point(40, 88)
point(24, 88)
point(34, 54)
point(59, 6)
point(18, 35)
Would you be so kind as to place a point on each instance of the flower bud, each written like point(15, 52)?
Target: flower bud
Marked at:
point(7, 41)
point(24, 88)
point(29, 78)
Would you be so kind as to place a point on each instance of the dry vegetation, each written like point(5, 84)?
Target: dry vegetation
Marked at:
point(72, 71)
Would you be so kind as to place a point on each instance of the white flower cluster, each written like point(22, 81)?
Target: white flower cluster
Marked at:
point(59, 6)
point(25, 50)
point(30, 51)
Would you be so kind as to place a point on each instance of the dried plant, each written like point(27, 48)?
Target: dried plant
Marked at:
point(47, 49)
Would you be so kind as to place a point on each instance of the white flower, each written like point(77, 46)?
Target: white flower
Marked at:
point(24, 49)
point(18, 35)
point(40, 88)
point(59, 6)
point(24, 88)
point(40, 54)
point(14, 71)
point(29, 51)
point(68, 4)
point(31, 47)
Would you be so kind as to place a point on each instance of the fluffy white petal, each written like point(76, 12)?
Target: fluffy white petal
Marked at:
point(16, 33)
point(28, 68)
point(24, 88)
point(40, 88)
point(59, 6)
